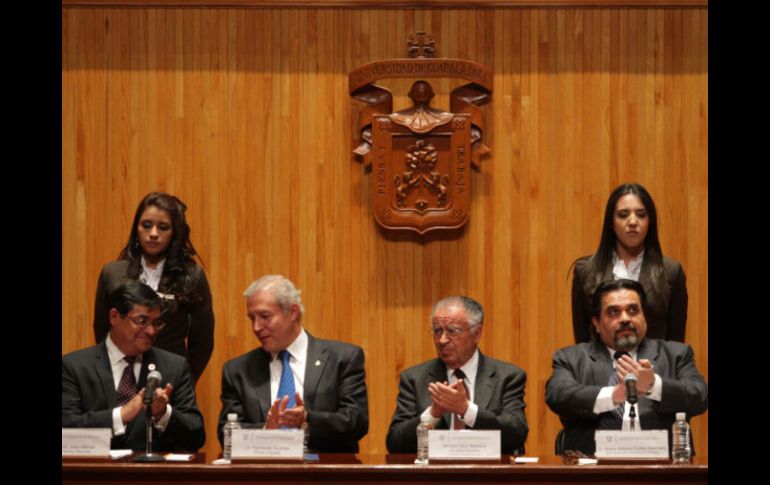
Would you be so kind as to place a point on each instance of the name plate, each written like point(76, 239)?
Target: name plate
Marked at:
point(632, 444)
point(268, 443)
point(464, 444)
point(86, 442)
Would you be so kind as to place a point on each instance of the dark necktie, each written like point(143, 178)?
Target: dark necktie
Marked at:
point(459, 374)
point(127, 384)
point(286, 385)
point(613, 419)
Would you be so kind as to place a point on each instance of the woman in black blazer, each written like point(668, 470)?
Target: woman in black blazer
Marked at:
point(160, 254)
point(630, 230)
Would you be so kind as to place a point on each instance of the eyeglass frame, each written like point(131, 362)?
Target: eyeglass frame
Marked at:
point(437, 332)
point(157, 324)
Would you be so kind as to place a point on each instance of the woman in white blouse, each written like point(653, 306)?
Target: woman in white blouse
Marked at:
point(160, 254)
point(629, 248)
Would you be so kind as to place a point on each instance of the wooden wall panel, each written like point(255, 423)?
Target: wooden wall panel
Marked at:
point(245, 115)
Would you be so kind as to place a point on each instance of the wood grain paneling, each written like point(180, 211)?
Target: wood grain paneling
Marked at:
point(244, 114)
point(387, 3)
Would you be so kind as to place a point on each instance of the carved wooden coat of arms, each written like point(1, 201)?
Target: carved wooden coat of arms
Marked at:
point(421, 157)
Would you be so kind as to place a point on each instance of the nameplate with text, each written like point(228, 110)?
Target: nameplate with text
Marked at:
point(632, 444)
point(86, 442)
point(268, 443)
point(464, 444)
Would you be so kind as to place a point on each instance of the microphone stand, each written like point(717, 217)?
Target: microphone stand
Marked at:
point(149, 456)
point(632, 415)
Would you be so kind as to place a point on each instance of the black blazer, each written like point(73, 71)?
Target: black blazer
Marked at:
point(335, 394)
point(88, 397)
point(193, 322)
point(580, 371)
point(665, 311)
point(498, 392)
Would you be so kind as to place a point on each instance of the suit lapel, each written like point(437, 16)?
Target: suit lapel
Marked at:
point(644, 276)
point(437, 372)
point(601, 364)
point(259, 379)
point(647, 351)
point(486, 380)
point(147, 359)
point(317, 357)
point(104, 371)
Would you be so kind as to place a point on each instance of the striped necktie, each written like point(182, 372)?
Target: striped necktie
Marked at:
point(613, 419)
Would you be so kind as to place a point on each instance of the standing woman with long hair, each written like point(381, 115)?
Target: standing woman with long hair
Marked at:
point(159, 253)
point(629, 248)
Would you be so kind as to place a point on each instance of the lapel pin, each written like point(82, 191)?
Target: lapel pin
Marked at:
point(317, 363)
point(151, 367)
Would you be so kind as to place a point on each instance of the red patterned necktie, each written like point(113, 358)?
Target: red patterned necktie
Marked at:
point(127, 385)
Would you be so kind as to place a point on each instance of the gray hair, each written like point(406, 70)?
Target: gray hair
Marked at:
point(282, 289)
point(473, 309)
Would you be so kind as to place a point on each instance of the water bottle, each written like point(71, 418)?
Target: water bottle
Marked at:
point(422, 440)
point(680, 439)
point(231, 424)
point(306, 438)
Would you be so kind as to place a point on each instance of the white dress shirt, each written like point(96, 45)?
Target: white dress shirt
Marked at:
point(630, 272)
point(151, 276)
point(297, 363)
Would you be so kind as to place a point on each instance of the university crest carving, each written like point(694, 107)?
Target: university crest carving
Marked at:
point(421, 157)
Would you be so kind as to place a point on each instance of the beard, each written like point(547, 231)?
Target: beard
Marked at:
point(627, 342)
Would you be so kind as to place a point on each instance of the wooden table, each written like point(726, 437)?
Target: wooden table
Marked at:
point(359, 469)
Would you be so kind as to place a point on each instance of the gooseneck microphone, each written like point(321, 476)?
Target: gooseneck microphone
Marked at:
point(632, 396)
point(153, 382)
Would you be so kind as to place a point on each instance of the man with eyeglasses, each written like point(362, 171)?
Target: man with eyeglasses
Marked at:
point(103, 386)
point(462, 388)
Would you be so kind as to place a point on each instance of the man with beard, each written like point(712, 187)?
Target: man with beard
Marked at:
point(587, 390)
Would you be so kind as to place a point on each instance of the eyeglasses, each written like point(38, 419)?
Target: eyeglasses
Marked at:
point(451, 332)
point(572, 457)
point(143, 321)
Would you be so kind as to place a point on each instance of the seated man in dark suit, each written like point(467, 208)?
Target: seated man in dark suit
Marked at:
point(485, 394)
point(586, 388)
point(295, 380)
point(103, 386)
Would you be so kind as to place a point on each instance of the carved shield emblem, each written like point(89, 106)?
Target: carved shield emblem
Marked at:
point(421, 157)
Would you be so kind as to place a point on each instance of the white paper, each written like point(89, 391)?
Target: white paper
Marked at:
point(221, 461)
point(464, 444)
point(526, 459)
point(118, 454)
point(178, 457)
point(632, 444)
point(587, 461)
point(86, 441)
point(268, 443)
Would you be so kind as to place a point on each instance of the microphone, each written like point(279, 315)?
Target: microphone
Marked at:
point(631, 395)
point(153, 382)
